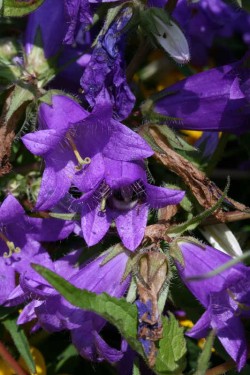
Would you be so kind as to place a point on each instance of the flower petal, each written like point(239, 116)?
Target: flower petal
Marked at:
point(55, 184)
point(158, 197)
point(95, 224)
point(43, 141)
point(131, 225)
point(63, 112)
point(10, 209)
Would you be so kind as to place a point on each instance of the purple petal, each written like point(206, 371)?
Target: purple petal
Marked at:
point(229, 328)
point(7, 279)
point(125, 144)
point(91, 175)
point(50, 20)
point(131, 225)
point(200, 261)
point(43, 141)
point(158, 197)
point(95, 225)
point(55, 184)
point(50, 229)
point(105, 352)
point(10, 209)
point(122, 173)
point(28, 312)
point(201, 328)
point(63, 112)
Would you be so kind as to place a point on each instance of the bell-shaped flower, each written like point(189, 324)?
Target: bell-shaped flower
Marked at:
point(19, 244)
point(225, 296)
point(106, 70)
point(125, 197)
point(216, 99)
point(75, 144)
point(54, 313)
point(50, 20)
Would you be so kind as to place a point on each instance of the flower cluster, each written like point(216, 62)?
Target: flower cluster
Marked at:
point(104, 158)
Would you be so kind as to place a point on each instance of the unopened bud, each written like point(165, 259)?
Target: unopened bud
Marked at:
point(172, 40)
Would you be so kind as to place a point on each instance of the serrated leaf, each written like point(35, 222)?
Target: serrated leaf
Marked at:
point(116, 311)
point(19, 8)
point(172, 349)
point(20, 95)
point(21, 342)
point(204, 357)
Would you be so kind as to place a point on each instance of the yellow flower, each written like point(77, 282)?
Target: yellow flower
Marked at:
point(186, 323)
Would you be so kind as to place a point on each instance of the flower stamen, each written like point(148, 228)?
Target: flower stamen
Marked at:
point(11, 246)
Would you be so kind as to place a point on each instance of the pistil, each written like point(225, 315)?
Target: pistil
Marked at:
point(81, 161)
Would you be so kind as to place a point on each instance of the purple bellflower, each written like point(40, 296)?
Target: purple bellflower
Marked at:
point(50, 19)
point(106, 69)
point(224, 296)
point(54, 313)
point(76, 144)
point(225, 89)
point(123, 196)
point(19, 243)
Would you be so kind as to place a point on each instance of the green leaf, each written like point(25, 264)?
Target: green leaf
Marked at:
point(204, 358)
point(21, 94)
point(117, 311)
point(19, 8)
point(21, 342)
point(172, 349)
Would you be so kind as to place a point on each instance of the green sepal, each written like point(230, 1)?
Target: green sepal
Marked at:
point(19, 8)
point(21, 342)
point(155, 117)
point(131, 293)
point(175, 250)
point(148, 22)
point(177, 142)
point(112, 252)
point(47, 97)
